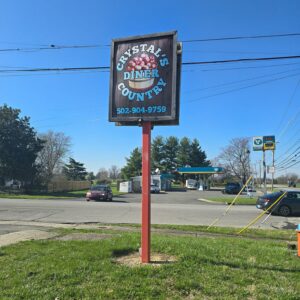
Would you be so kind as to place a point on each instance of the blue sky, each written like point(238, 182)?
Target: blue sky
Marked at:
point(218, 102)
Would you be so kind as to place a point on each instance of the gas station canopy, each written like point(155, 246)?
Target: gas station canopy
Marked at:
point(200, 170)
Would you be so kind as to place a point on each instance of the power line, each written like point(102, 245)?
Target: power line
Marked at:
point(288, 105)
point(241, 60)
point(55, 69)
point(288, 158)
point(184, 63)
point(288, 167)
point(59, 47)
point(243, 80)
point(242, 37)
point(51, 47)
point(245, 87)
point(55, 73)
point(294, 136)
point(294, 145)
point(288, 125)
point(286, 52)
point(240, 68)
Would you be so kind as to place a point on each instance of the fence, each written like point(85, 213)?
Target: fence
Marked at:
point(65, 186)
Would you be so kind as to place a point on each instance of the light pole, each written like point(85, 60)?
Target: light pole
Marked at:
point(264, 172)
point(273, 170)
point(259, 163)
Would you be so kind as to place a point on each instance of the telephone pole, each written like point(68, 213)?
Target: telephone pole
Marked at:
point(273, 169)
point(264, 172)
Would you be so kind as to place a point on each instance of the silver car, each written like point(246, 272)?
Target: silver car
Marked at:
point(154, 188)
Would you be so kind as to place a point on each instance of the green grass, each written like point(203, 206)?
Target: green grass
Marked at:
point(206, 268)
point(54, 195)
point(286, 234)
point(36, 196)
point(239, 201)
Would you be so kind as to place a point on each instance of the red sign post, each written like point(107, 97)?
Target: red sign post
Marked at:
point(144, 91)
point(146, 197)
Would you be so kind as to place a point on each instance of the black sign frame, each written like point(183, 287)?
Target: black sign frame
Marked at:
point(173, 71)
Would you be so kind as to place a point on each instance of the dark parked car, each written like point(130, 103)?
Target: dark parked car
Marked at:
point(99, 192)
point(288, 205)
point(291, 184)
point(232, 188)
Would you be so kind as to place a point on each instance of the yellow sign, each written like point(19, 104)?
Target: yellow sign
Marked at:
point(269, 142)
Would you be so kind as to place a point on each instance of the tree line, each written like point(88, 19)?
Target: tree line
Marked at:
point(34, 159)
point(167, 154)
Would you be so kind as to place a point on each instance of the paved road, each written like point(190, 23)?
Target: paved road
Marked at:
point(182, 208)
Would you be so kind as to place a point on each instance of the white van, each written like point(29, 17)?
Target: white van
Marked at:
point(191, 184)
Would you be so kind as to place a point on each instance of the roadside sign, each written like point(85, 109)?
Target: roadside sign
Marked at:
point(270, 169)
point(144, 80)
point(269, 142)
point(145, 76)
point(257, 143)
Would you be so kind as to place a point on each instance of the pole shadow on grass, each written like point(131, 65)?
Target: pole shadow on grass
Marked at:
point(123, 252)
point(247, 266)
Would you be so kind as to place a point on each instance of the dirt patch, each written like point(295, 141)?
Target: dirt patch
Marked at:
point(85, 237)
point(25, 235)
point(134, 260)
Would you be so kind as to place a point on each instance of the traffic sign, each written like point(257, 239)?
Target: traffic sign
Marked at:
point(270, 169)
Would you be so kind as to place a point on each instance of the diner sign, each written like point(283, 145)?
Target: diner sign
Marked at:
point(143, 80)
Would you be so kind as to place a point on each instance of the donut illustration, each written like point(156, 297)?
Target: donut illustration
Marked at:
point(142, 67)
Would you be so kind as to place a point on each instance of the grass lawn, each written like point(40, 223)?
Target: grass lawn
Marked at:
point(55, 195)
point(239, 201)
point(206, 268)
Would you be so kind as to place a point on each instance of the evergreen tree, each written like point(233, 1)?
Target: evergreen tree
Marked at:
point(184, 152)
point(134, 164)
point(158, 152)
point(197, 156)
point(74, 170)
point(19, 147)
point(170, 153)
point(90, 176)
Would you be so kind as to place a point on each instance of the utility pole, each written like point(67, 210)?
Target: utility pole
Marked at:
point(273, 171)
point(265, 172)
point(259, 164)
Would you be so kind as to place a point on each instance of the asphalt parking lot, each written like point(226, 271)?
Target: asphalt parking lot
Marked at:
point(176, 197)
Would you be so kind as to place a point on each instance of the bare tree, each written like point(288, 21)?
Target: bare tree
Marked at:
point(114, 172)
point(50, 159)
point(102, 174)
point(292, 179)
point(235, 158)
point(287, 178)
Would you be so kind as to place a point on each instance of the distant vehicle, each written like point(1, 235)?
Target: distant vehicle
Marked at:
point(99, 192)
point(291, 184)
point(154, 188)
point(288, 205)
point(250, 189)
point(232, 188)
point(191, 184)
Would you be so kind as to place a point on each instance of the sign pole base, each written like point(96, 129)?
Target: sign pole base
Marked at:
point(146, 178)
